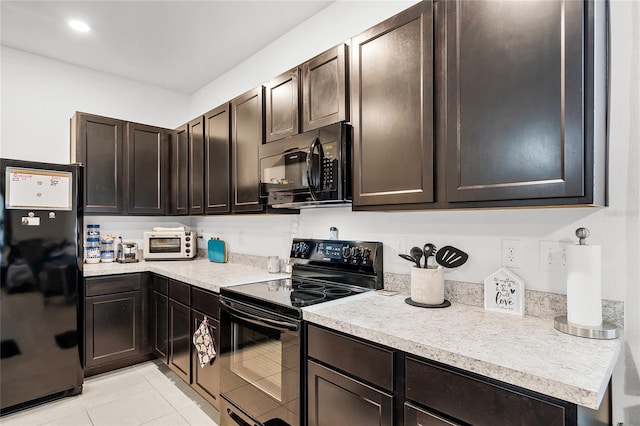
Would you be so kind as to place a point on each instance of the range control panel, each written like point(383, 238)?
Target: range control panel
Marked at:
point(336, 252)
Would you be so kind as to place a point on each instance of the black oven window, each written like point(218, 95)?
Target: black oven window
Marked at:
point(164, 245)
point(264, 357)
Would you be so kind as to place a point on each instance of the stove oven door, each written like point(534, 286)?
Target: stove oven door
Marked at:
point(259, 367)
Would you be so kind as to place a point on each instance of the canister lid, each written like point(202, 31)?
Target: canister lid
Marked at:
point(93, 225)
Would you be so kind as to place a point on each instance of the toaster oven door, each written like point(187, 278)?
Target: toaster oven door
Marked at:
point(163, 245)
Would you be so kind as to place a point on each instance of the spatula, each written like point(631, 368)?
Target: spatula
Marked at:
point(410, 259)
point(451, 257)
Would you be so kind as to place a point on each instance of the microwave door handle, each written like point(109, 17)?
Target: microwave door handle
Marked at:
point(313, 187)
point(254, 319)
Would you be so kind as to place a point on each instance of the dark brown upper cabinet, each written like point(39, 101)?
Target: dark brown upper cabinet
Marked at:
point(179, 176)
point(281, 106)
point(308, 97)
point(217, 144)
point(246, 138)
point(97, 143)
point(126, 165)
point(147, 169)
point(196, 166)
point(325, 89)
point(520, 119)
point(392, 110)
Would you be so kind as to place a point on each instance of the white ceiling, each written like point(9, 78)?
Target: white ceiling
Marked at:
point(177, 45)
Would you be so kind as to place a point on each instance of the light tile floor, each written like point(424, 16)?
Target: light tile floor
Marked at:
point(144, 394)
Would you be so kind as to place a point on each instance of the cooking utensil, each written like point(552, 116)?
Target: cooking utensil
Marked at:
point(451, 257)
point(417, 254)
point(409, 258)
point(429, 250)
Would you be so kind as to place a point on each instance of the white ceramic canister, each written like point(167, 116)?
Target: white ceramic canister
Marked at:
point(427, 285)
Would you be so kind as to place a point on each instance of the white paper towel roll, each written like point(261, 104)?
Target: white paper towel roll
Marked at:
point(584, 285)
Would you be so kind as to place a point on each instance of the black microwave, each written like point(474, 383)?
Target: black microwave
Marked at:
point(311, 169)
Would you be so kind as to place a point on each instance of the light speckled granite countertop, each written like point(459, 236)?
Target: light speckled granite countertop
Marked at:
point(199, 272)
point(524, 351)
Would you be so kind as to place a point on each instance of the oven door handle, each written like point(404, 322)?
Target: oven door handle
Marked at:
point(236, 418)
point(254, 319)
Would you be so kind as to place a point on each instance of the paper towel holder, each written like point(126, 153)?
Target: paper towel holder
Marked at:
point(605, 331)
point(582, 234)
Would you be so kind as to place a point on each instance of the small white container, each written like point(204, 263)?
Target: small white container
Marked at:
point(273, 264)
point(427, 285)
point(92, 250)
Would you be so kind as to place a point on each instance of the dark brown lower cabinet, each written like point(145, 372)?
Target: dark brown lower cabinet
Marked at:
point(350, 386)
point(159, 318)
point(363, 383)
point(115, 322)
point(337, 399)
point(180, 340)
point(205, 380)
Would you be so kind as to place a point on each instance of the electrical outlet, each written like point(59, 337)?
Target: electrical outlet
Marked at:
point(553, 256)
point(512, 253)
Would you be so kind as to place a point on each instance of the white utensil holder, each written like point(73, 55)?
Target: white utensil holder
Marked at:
point(427, 285)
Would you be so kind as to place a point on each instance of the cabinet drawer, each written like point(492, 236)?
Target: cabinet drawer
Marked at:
point(205, 302)
point(414, 416)
point(180, 292)
point(160, 284)
point(368, 362)
point(474, 401)
point(98, 286)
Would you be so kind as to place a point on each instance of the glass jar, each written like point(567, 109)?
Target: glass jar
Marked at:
point(92, 250)
point(107, 248)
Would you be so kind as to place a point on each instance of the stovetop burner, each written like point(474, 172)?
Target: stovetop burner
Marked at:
point(323, 270)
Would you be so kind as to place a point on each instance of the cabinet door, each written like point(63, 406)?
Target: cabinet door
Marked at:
point(392, 110)
point(336, 399)
point(514, 79)
point(147, 169)
point(246, 138)
point(113, 328)
point(196, 166)
point(281, 106)
point(206, 380)
point(217, 160)
point(179, 204)
point(160, 324)
point(180, 340)
point(324, 89)
point(98, 143)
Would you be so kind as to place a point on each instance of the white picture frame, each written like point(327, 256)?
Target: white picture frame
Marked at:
point(504, 292)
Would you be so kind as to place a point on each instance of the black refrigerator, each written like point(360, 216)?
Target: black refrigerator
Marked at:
point(41, 288)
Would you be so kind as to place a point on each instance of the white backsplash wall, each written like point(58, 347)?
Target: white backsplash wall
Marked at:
point(132, 228)
point(480, 233)
point(260, 235)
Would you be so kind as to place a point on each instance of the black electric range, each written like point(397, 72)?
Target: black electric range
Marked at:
point(323, 270)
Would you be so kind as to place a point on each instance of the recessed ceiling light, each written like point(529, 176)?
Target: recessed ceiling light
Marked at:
point(79, 26)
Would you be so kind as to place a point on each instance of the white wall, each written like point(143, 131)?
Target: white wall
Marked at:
point(51, 91)
point(331, 26)
point(39, 95)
